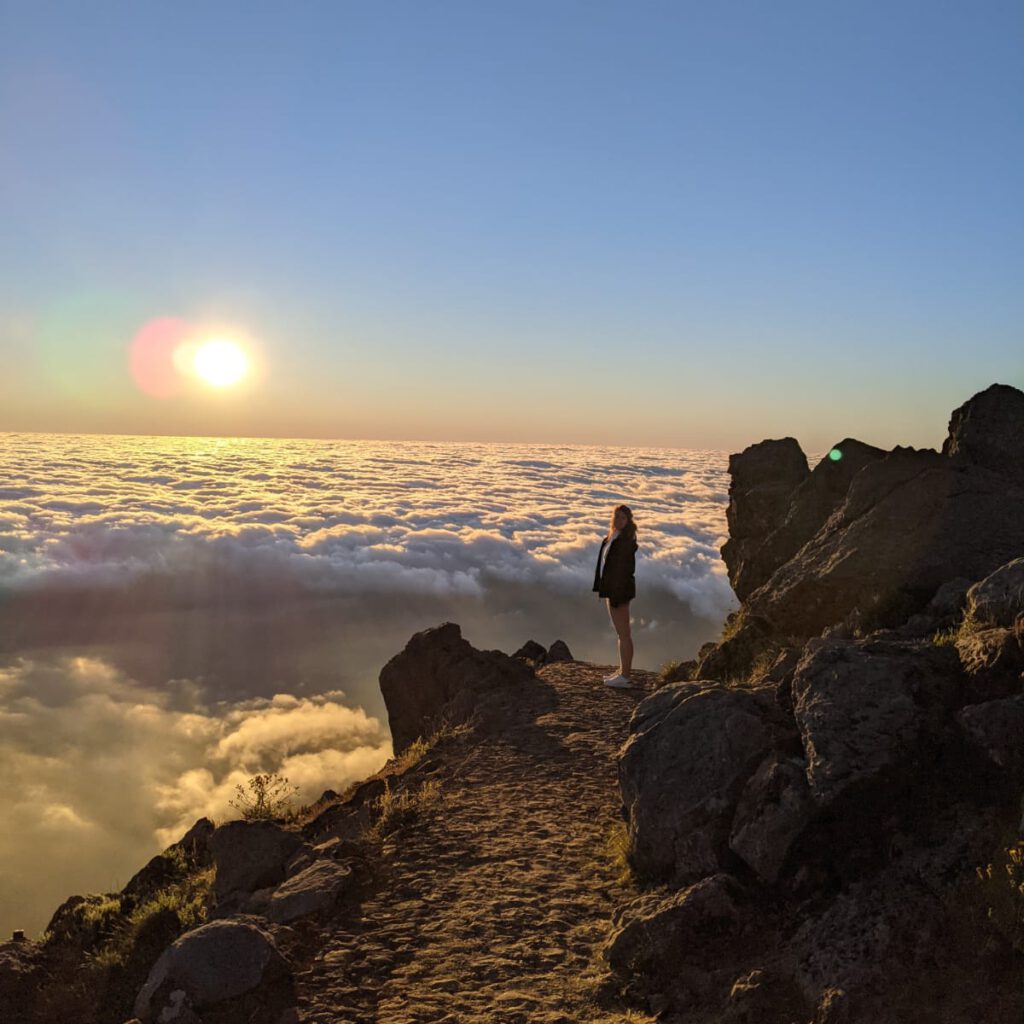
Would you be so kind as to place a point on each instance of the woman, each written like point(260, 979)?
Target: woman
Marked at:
point(614, 580)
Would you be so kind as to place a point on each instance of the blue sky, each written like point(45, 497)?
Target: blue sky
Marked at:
point(672, 224)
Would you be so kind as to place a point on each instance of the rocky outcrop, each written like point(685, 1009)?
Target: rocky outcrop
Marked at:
point(910, 522)
point(872, 817)
point(811, 503)
point(763, 478)
point(439, 676)
point(987, 431)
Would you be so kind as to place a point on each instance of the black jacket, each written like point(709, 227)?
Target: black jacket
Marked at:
point(617, 581)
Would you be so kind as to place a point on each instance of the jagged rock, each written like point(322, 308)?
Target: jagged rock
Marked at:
point(250, 855)
point(531, 651)
point(810, 505)
point(773, 810)
point(558, 651)
point(691, 750)
point(910, 522)
point(997, 729)
point(658, 932)
point(763, 478)
point(314, 889)
point(439, 674)
point(997, 600)
point(220, 961)
point(165, 867)
point(865, 709)
point(987, 430)
point(993, 660)
point(85, 921)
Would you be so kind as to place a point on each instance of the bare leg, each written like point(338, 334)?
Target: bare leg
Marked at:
point(620, 620)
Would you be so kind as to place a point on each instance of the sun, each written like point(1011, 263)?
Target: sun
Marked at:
point(220, 363)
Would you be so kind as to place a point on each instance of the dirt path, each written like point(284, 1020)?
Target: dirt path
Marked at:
point(493, 906)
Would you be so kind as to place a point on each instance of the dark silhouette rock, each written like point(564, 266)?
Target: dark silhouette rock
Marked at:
point(865, 710)
point(215, 964)
point(440, 675)
point(165, 867)
point(558, 651)
point(987, 430)
point(531, 651)
point(763, 478)
point(250, 855)
point(691, 750)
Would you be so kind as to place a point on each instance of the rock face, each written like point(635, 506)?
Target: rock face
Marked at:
point(809, 506)
point(438, 675)
point(219, 962)
point(910, 522)
point(691, 750)
point(764, 477)
point(987, 431)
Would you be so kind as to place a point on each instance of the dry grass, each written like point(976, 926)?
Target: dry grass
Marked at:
point(397, 809)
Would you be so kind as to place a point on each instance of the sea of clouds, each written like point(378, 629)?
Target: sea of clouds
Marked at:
point(177, 614)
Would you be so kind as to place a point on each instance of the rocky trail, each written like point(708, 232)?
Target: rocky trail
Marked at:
point(493, 904)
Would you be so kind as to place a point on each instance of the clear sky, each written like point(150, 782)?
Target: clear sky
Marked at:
point(680, 224)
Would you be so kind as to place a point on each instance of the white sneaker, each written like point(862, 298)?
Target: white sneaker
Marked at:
point(619, 682)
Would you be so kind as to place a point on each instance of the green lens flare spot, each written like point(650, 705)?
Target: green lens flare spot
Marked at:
point(835, 455)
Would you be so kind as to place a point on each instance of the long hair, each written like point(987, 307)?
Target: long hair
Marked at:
point(629, 530)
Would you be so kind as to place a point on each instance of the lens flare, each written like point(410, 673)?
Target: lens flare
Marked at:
point(220, 363)
point(835, 455)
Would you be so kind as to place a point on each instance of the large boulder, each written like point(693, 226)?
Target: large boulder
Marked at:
point(910, 522)
point(250, 855)
point(866, 711)
point(232, 965)
point(691, 750)
point(810, 505)
point(763, 479)
point(440, 675)
point(987, 430)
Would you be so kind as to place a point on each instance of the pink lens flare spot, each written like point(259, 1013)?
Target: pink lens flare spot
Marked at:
point(152, 356)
